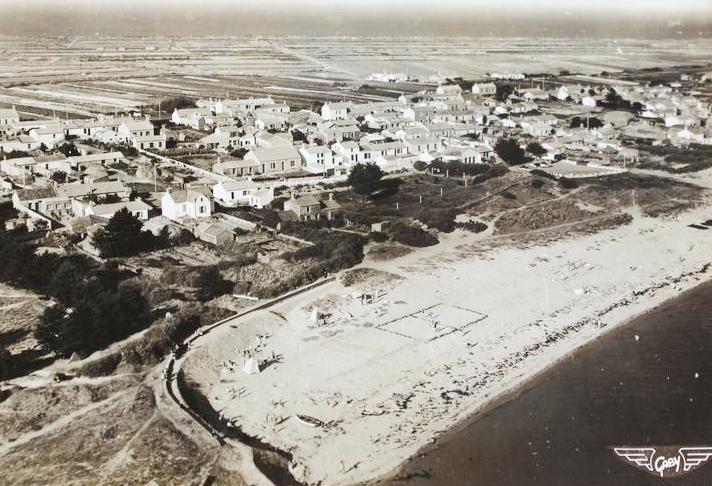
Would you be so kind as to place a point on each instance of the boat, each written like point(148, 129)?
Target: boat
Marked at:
point(310, 421)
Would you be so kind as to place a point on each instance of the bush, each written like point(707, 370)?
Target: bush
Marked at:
point(537, 183)
point(473, 226)
point(211, 284)
point(536, 149)
point(565, 183)
point(420, 166)
point(411, 235)
point(377, 236)
point(440, 219)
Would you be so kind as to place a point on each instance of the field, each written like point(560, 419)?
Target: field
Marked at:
point(84, 76)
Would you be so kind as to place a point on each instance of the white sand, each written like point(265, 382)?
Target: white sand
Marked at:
point(387, 386)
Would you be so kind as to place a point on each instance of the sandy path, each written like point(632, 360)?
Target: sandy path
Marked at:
point(59, 423)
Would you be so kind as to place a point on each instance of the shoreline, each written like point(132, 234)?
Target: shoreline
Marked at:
point(529, 383)
point(414, 414)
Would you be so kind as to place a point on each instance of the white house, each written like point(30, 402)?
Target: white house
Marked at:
point(276, 159)
point(135, 128)
point(137, 208)
point(197, 118)
point(318, 158)
point(147, 142)
point(484, 89)
point(240, 193)
point(349, 151)
point(50, 135)
point(449, 89)
point(187, 203)
point(336, 111)
point(8, 117)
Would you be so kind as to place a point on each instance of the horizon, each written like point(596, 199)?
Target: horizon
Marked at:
point(367, 18)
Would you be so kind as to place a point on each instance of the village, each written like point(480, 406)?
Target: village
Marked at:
point(207, 165)
point(342, 233)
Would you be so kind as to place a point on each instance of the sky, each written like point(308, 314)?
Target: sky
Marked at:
point(624, 18)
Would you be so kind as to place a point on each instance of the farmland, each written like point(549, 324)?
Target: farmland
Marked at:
point(85, 76)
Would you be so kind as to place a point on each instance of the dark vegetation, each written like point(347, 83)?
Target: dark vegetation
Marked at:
point(95, 305)
point(510, 151)
point(365, 178)
point(122, 236)
point(410, 234)
point(695, 158)
point(179, 102)
point(536, 149)
point(591, 122)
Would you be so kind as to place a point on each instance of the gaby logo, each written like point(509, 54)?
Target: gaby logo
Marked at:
point(665, 461)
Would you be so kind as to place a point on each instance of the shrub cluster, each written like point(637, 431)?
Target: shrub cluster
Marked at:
point(411, 235)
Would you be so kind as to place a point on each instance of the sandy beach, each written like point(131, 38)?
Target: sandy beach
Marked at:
point(428, 339)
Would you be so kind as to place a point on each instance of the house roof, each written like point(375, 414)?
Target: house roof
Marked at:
point(136, 205)
point(78, 190)
point(330, 204)
point(236, 185)
point(36, 193)
point(271, 154)
point(138, 125)
point(304, 201)
point(95, 157)
point(189, 195)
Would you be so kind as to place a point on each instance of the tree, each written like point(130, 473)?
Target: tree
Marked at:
point(503, 91)
point(365, 178)
point(64, 283)
point(536, 149)
point(69, 149)
point(510, 151)
point(211, 284)
point(239, 153)
point(179, 102)
point(591, 123)
point(122, 236)
point(59, 176)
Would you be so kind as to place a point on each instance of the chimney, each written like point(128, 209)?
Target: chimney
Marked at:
point(331, 196)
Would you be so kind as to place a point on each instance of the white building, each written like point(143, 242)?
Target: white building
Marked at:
point(187, 203)
point(449, 89)
point(197, 118)
point(242, 193)
point(336, 111)
point(484, 89)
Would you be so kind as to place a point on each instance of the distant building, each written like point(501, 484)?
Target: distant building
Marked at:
point(196, 118)
point(449, 89)
point(336, 111)
point(484, 89)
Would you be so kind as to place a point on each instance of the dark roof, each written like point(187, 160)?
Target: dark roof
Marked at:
point(36, 193)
